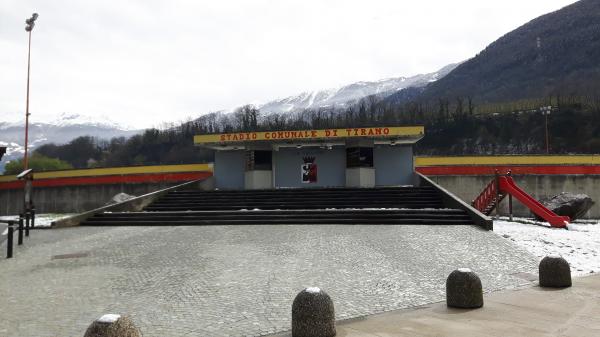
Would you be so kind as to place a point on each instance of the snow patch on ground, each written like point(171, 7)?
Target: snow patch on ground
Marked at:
point(41, 220)
point(580, 245)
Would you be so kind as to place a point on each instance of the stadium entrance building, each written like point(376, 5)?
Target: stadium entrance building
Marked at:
point(356, 157)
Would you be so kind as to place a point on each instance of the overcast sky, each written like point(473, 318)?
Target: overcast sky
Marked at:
point(143, 62)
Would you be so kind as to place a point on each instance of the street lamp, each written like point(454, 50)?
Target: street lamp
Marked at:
point(546, 110)
point(30, 24)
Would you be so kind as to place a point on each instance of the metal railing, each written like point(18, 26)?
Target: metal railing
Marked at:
point(487, 196)
point(24, 223)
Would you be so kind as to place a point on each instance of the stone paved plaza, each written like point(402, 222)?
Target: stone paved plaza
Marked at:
point(236, 280)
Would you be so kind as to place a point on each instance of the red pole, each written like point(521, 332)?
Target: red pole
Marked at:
point(26, 159)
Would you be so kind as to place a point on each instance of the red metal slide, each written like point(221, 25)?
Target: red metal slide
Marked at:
point(506, 184)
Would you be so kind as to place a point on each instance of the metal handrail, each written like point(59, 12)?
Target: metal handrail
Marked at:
point(490, 192)
point(486, 196)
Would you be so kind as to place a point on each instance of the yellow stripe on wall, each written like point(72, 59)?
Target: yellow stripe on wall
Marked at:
point(116, 171)
point(508, 160)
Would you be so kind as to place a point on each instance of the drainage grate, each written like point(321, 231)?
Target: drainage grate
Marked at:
point(70, 256)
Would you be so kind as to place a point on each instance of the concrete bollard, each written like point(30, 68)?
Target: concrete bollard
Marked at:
point(313, 314)
point(464, 290)
point(112, 325)
point(554, 272)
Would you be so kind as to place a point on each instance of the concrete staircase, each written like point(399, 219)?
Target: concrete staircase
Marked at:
point(392, 205)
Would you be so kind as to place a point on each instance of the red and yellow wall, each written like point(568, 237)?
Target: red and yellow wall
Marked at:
point(521, 165)
point(434, 166)
point(113, 175)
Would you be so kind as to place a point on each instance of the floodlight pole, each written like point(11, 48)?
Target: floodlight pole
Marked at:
point(30, 24)
point(26, 159)
point(546, 111)
point(547, 138)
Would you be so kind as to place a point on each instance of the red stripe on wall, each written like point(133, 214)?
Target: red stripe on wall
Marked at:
point(11, 185)
point(103, 180)
point(490, 170)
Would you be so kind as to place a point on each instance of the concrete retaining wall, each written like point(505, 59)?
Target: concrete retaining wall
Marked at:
point(136, 204)
point(73, 199)
point(538, 186)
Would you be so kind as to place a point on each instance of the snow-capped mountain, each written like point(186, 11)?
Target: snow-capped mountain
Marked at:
point(62, 129)
point(69, 119)
point(352, 92)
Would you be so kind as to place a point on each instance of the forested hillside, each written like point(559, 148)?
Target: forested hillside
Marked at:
point(455, 128)
point(557, 53)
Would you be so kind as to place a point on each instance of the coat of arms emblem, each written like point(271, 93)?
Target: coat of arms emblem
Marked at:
point(309, 170)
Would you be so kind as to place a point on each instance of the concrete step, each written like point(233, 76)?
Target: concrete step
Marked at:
point(441, 211)
point(309, 190)
point(288, 221)
point(304, 216)
point(301, 197)
point(278, 216)
point(260, 193)
point(367, 201)
point(288, 206)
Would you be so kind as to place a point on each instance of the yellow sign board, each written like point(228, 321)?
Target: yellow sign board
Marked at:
point(374, 132)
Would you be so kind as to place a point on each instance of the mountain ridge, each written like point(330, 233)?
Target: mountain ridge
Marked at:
point(64, 129)
point(347, 94)
point(551, 54)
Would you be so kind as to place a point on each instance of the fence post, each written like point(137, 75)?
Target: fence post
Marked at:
point(26, 223)
point(32, 217)
point(20, 236)
point(9, 240)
